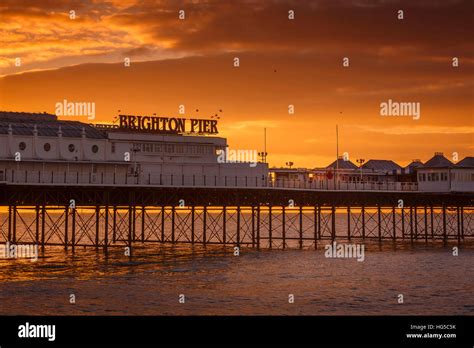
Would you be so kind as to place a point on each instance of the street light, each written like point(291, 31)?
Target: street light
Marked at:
point(263, 156)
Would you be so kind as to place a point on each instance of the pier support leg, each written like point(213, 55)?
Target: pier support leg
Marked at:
point(114, 224)
point(258, 227)
point(394, 224)
point(43, 221)
point(97, 226)
point(130, 228)
point(333, 224)
point(270, 218)
point(349, 223)
point(379, 223)
point(193, 209)
point(204, 226)
point(224, 226)
point(315, 219)
point(9, 235)
point(426, 224)
point(363, 222)
point(143, 213)
point(403, 223)
point(458, 220)
point(301, 226)
point(444, 225)
point(163, 212)
point(14, 224)
point(238, 226)
point(106, 225)
point(283, 225)
point(253, 227)
point(37, 221)
point(73, 230)
point(66, 221)
point(173, 223)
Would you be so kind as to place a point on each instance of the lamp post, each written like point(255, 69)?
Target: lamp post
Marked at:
point(263, 156)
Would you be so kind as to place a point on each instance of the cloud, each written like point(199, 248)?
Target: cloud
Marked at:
point(42, 32)
point(420, 130)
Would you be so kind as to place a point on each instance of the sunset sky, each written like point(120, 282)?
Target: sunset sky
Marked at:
point(282, 62)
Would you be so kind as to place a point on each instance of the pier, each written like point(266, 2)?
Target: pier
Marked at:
point(259, 217)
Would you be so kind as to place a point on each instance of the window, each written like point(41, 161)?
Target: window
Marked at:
point(22, 146)
point(147, 147)
point(95, 148)
point(71, 147)
point(113, 148)
point(47, 147)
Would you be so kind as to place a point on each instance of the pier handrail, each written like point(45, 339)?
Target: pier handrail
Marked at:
point(71, 178)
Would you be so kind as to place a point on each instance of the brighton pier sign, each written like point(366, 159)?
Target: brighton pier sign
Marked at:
point(165, 124)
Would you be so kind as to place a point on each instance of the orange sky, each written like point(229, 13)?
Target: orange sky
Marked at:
point(282, 62)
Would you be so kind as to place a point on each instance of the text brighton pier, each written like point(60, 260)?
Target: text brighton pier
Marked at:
point(168, 124)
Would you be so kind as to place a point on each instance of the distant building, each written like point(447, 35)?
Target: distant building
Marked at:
point(40, 148)
point(441, 175)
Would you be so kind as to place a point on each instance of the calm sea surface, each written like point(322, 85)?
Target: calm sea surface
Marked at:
point(214, 281)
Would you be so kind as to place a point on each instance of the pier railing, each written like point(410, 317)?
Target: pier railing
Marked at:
point(71, 178)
